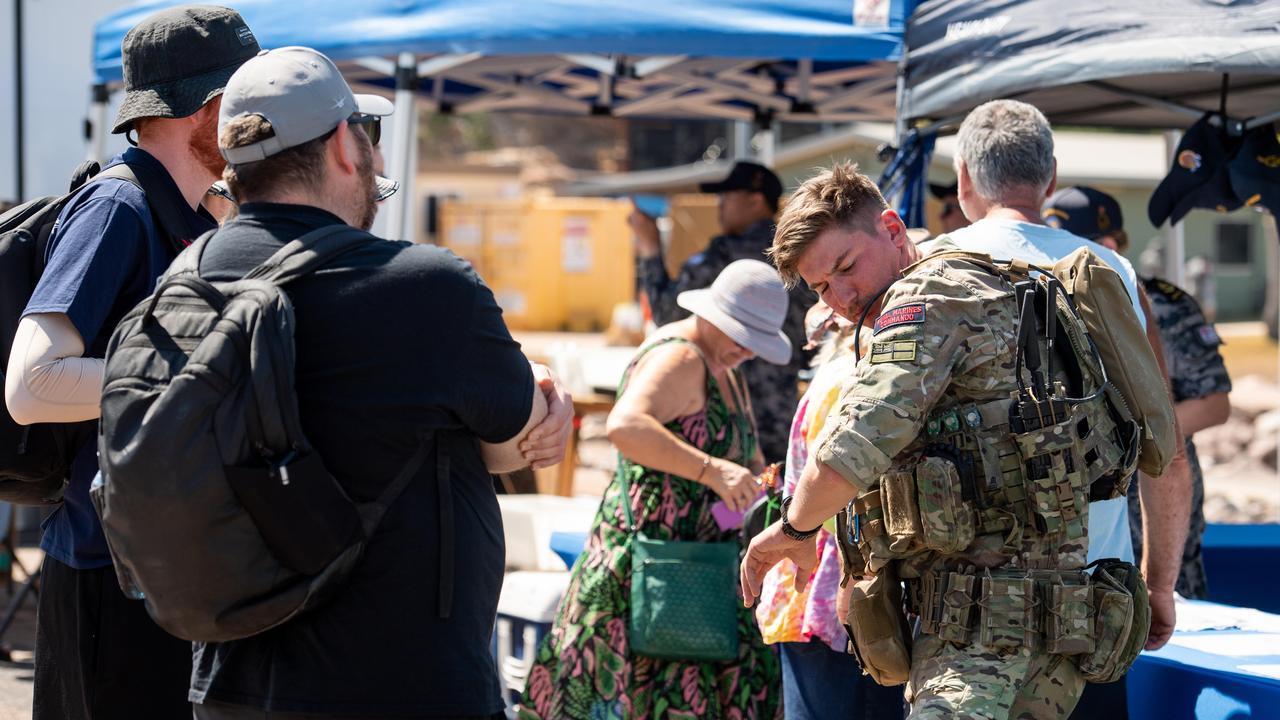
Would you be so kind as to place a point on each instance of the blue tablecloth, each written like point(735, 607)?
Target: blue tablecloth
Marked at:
point(1230, 670)
point(568, 545)
point(1242, 565)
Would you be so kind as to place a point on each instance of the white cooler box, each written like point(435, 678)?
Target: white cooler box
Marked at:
point(529, 520)
point(526, 611)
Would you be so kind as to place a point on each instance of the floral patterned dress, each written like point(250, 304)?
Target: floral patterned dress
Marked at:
point(583, 669)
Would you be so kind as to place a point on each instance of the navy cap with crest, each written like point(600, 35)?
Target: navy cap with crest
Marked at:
point(1084, 211)
point(1198, 177)
point(1255, 170)
point(748, 176)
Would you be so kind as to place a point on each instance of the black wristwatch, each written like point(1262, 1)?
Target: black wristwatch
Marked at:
point(789, 530)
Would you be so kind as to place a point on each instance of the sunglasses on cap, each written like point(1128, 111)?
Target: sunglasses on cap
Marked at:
point(371, 124)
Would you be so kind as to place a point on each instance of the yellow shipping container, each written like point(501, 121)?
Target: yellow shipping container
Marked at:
point(695, 219)
point(552, 263)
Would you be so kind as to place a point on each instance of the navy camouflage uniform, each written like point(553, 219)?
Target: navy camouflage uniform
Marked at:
point(1196, 370)
point(772, 388)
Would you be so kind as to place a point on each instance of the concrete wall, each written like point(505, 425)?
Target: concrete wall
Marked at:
point(57, 72)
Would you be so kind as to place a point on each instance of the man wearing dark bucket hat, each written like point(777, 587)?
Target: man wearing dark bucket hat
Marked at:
point(98, 654)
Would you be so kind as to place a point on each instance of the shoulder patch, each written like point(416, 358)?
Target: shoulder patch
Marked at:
point(1209, 336)
point(1164, 287)
point(894, 351)
point(909, 314)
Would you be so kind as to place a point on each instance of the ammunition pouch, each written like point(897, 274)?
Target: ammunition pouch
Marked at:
point(1100, 620)
point(1122, 620)
point(879, 632)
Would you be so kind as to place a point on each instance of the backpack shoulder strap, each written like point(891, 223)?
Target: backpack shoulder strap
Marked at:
point(188, 261)
point(160, 199)
point(309, 252)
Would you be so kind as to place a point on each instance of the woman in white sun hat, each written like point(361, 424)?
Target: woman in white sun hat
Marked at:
point(685, 440)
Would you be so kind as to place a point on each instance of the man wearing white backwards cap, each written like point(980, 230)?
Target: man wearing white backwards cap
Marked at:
point(393, 340)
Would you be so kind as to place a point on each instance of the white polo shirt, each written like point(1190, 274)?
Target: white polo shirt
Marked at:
point(1004, 239)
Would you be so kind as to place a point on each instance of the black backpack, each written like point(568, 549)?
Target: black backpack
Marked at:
point(35, 460)
point(217, 510)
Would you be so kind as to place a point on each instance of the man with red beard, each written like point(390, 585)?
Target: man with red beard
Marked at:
point(98, 653)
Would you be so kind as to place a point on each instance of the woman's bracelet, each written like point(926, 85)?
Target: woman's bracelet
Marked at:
point(706, 461)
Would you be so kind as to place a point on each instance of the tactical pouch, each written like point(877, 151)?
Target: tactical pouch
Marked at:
point(871, 533)
point(901, 513)
point(1122, 620)
point(1054, 477)
point(946, 519)
point(1008, 614)
point(1070, 619)
point(955, 614)
point(878, 630)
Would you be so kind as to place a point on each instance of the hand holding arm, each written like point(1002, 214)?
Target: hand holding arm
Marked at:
point(544, 446)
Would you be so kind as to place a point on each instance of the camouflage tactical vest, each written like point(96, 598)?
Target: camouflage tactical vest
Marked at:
point(1032, 459)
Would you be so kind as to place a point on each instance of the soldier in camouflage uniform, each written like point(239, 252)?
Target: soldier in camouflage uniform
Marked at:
point(1197, 374)
point(748, 203)
point(939, 351)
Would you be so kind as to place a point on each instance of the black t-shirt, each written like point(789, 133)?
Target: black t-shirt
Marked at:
point(392, 338)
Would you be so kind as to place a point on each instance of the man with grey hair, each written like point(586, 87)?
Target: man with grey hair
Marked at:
point(1006, 170)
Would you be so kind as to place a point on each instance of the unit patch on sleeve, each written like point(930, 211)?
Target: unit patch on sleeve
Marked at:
point(911, 313)
point(894, 351)
point(1209, 336)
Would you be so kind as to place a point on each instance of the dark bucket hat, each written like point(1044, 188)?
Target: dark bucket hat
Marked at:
point(178, 59)
point(1255, 171)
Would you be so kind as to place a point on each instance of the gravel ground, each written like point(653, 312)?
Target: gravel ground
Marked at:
point(16, 648)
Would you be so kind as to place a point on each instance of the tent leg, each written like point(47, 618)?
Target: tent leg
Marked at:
point(740, 132)
point(766, 140)
point(404, 146)
point(98, 123)
point(1175, 247)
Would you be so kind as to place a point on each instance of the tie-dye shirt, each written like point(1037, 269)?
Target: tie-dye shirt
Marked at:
point(783, 614)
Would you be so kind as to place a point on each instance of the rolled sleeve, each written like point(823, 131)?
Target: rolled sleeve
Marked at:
point(906, 368)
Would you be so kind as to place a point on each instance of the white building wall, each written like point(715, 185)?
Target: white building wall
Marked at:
point(57, 72)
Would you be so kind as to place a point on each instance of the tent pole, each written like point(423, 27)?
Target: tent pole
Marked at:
point(19, 107)
point(98, 122)
point(403, 146)
point(1175, 236)
point(741, 144)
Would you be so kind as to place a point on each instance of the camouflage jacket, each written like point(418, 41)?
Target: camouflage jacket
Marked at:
point(1196, 369)
point(946, 337)
point(772, 388)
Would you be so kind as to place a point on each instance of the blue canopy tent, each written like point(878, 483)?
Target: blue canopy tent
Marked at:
point(748, 60)
point(1101, 63)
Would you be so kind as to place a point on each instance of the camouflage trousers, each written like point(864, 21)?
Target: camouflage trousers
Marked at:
point(972, 682)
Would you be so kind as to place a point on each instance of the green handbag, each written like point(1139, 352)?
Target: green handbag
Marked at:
point(684, 596)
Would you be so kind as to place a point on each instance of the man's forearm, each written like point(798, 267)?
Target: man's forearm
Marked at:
point(1197, 414)
point(660, 289)
point(1166, 507)
point(820, 494)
